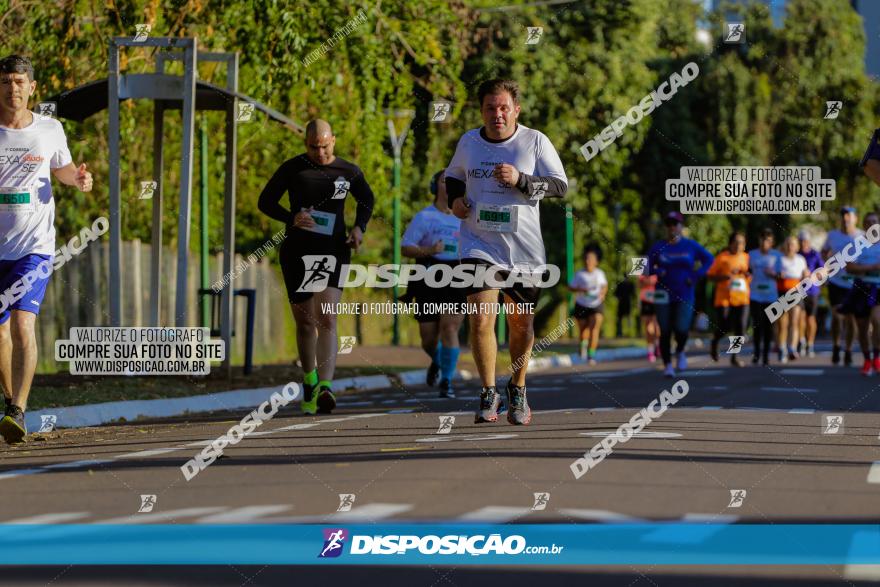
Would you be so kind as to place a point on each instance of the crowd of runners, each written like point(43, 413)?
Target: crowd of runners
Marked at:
point(485, 217)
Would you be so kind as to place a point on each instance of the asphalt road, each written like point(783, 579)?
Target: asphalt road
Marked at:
point(759, 430)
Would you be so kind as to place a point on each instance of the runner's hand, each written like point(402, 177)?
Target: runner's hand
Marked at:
point(355, 237)
point(304, 219)
point(83, 179)
point(506, 174)
point(461, 208)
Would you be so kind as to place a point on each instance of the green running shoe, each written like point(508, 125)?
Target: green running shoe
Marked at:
point(326, 399)
point(309, 401)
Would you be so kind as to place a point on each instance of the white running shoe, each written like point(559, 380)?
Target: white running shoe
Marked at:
point(681, 363)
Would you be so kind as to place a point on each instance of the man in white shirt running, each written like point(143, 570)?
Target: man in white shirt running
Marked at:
point(33, 148)
point(495, 181)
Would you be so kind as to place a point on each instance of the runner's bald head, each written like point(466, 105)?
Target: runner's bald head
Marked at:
point(320, 142)
point(318, 128)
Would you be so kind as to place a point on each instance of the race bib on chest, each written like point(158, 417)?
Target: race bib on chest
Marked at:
point(661, 296)
point(450, 247)
point(17, 200)
point(738, 284)
point(324, 222)
point(765, 287)
point(494, 218)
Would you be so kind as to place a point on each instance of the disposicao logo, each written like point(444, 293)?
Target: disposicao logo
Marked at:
point(334, 540)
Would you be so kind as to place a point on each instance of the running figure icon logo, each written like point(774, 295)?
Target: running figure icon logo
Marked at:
point(832, 424)
point(142, 31)
point(736, 32)
point(346, 345)
point(334, 539)
point(47, 423)
point(737, 497)
point(148, 188)
point(539, 189)
point(341, 186)
point(541, 501)
point(346, 500)
point(639, 264)
point(736, 344)
point(245, 112)
point(147, 504)
point(319, 268)
point(440, 111)
point(832, 109)
point(534, 35)
point(51, 108)
point(446, 423)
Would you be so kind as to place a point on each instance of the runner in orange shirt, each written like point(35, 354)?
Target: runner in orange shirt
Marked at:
point(730, 272)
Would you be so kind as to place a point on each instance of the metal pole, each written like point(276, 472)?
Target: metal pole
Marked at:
point(395, 337)
point(226, 299)
point(569, 259)
point(617, 208)
point(114, 187)
point(186, 169)
point(203, 223)
point(156, 228)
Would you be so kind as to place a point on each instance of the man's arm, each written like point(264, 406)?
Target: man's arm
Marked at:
point(72, 175)
point(365, 199)
point(270, 198)
point(872, 170)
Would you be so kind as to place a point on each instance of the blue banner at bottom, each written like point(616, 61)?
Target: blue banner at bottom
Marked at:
point(442, 544)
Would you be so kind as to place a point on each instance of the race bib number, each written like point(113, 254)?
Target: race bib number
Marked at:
point(494, 218)
point(661, 296)
point(847, 277)
point(764, 287)
point(324, 222)
point(737, 284)
point(17, 200)
point(450, 247)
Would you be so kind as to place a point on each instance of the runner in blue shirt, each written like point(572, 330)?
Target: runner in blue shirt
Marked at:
point(673, 262)
point(811, 302)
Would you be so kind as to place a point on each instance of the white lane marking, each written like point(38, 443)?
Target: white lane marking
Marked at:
point(19, 473)
point(801, 411)
point(813, 372)
point(496, 514)
point(148, 453)
point(353, 404)
point(603, 409)
point(371, 512)
point(242, 514)
point(598, 515)
point(717, 387)
point(168, 516)
point(641, 434)
point(708, 408)
point(874, 473)
point(389, 401)
point(702, 373)
point(402, 411)
point(467, 438)
point(791, 389)
point(567, 410)
point(50, 518)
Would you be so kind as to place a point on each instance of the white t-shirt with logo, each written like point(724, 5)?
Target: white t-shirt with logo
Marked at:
point(504, 226)
point(792, 267)
point(593, 281)
point(430, 225)
point(27, 208)
point(835, 242)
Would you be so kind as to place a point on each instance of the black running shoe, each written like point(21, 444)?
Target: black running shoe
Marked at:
point(518, 411)
point(835, 356)
point(713, 352)
point(490, 401)
point(326, 400)
point(446, 390)
point(847, 359)
point(433, 374)
point(12, 427)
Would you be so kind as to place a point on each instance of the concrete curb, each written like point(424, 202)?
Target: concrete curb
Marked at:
point(131, 410)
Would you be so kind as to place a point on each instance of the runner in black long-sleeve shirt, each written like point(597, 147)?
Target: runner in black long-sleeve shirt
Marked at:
point(316, 248)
